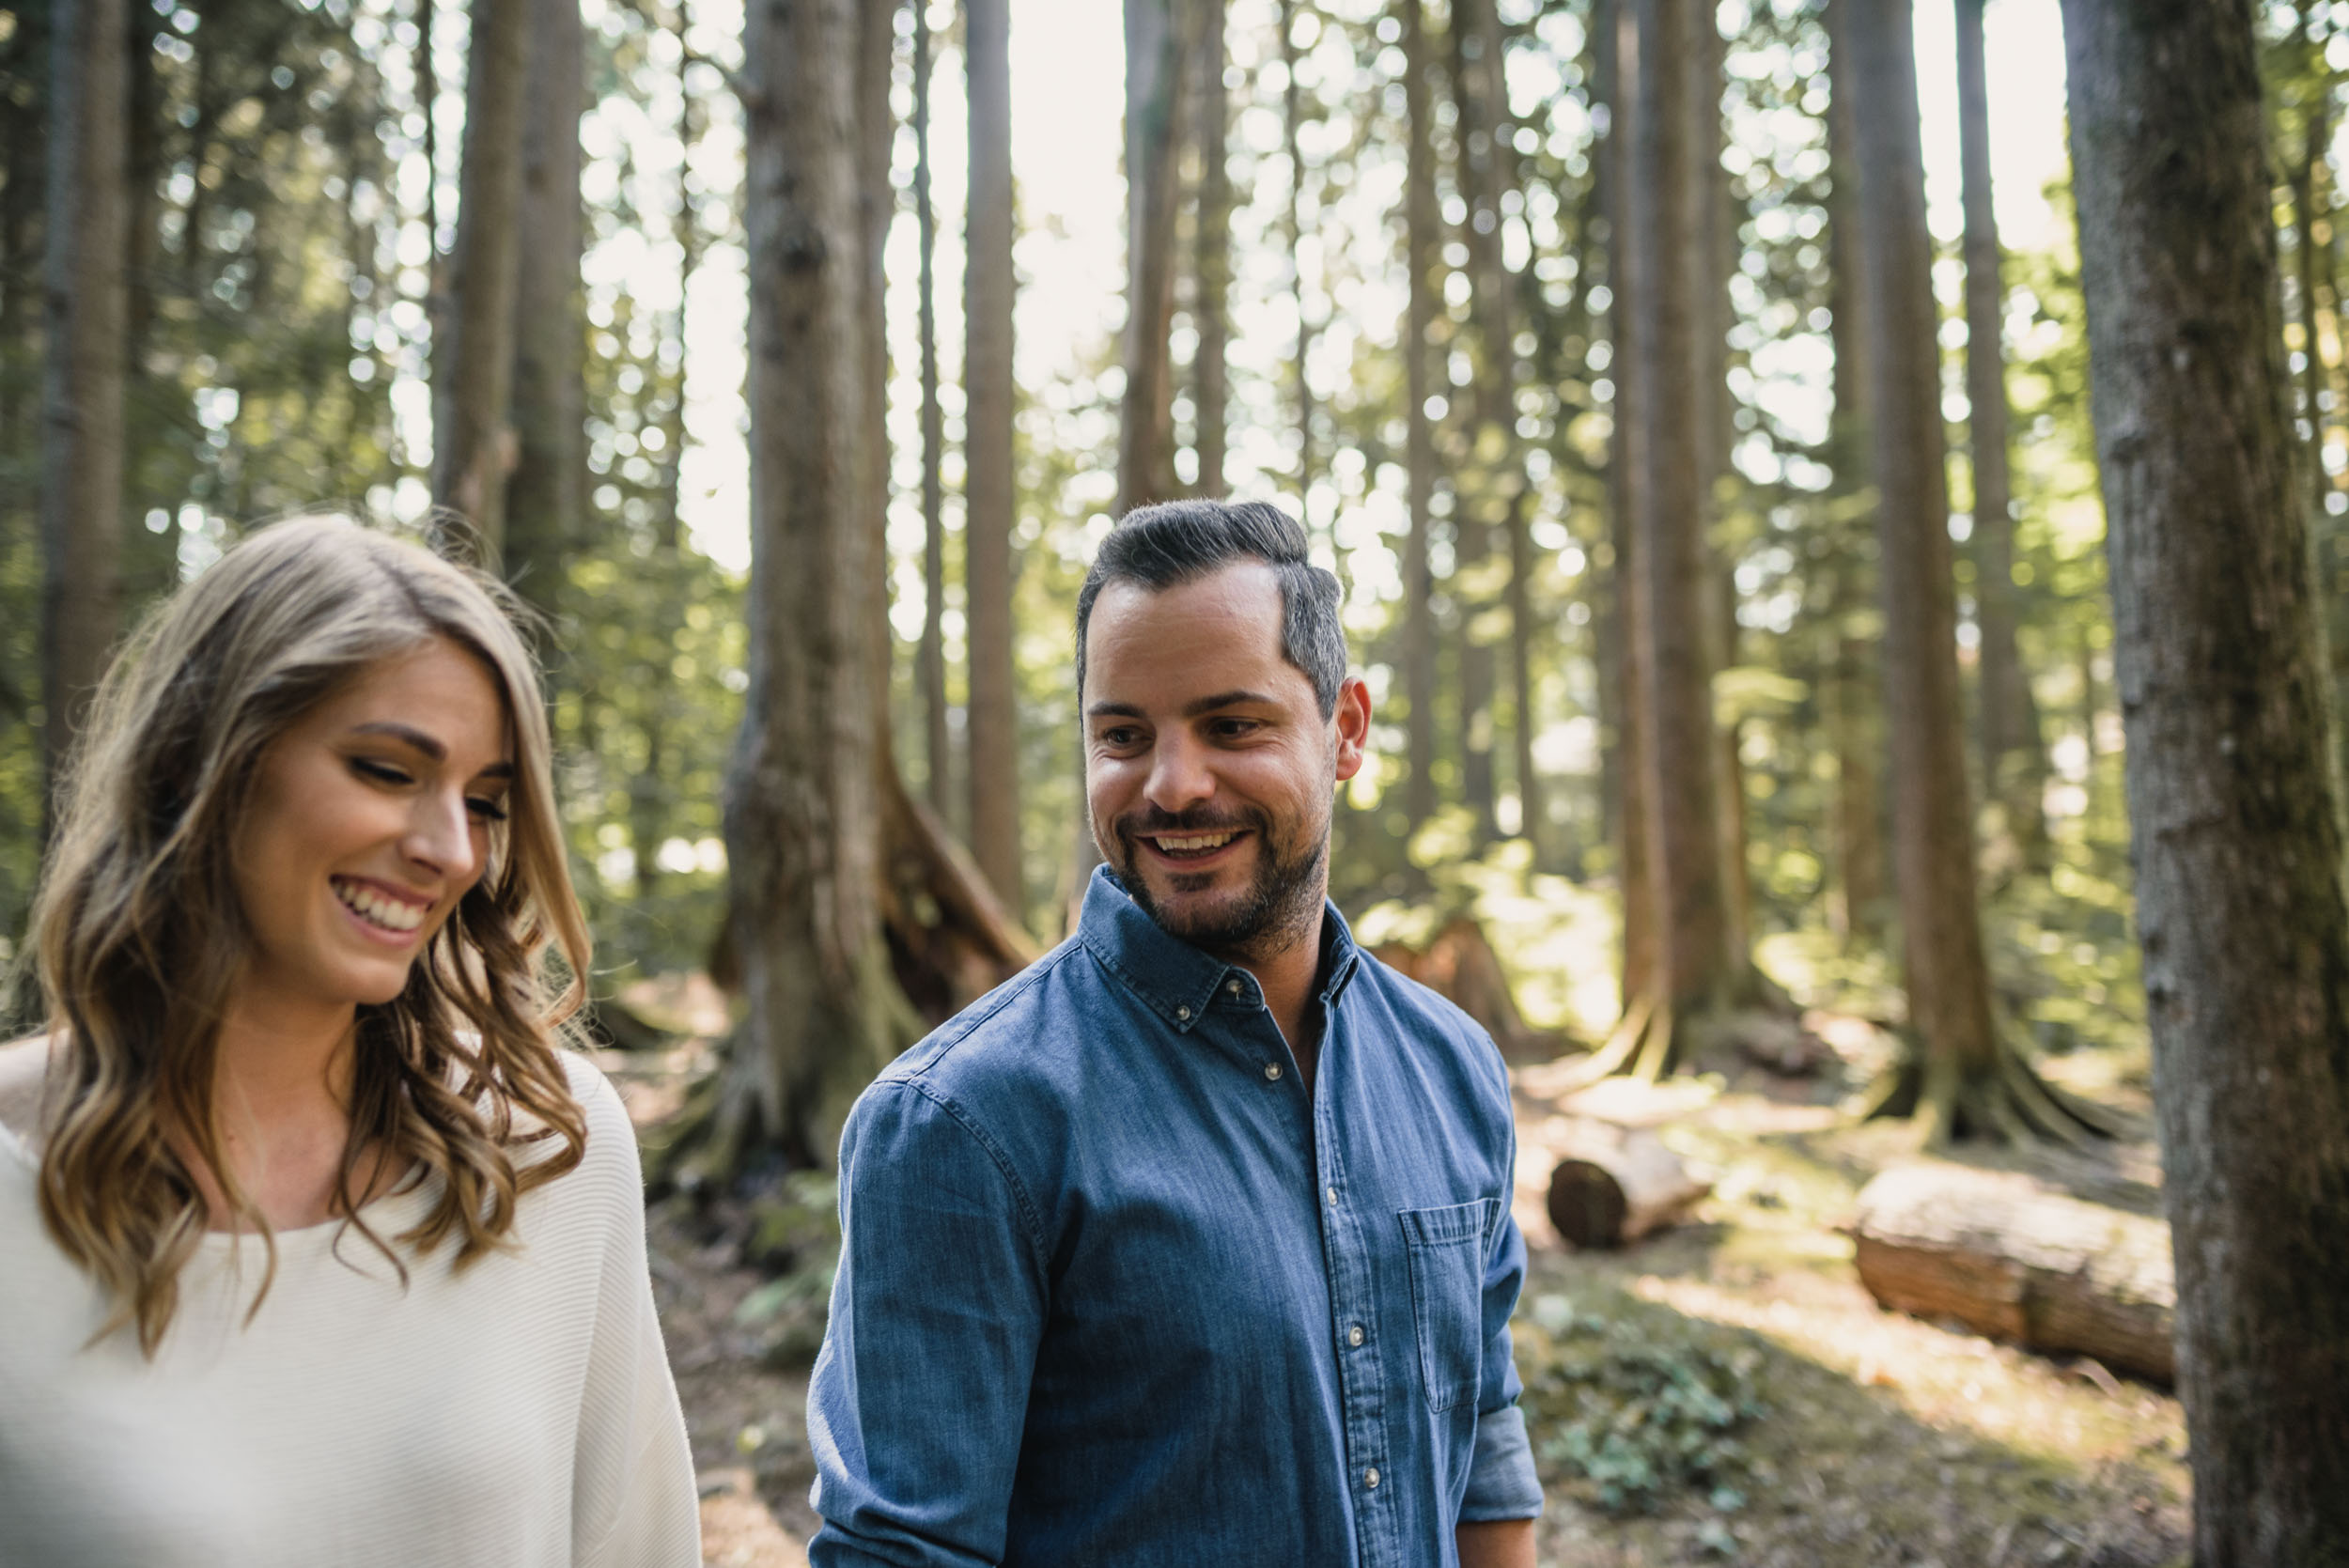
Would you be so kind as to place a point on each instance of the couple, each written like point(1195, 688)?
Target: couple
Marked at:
point(1189, 1245)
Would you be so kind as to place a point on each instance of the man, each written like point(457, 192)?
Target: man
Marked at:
point(1189, 1246)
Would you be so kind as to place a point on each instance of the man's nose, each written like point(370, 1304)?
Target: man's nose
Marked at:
point(1180, 776)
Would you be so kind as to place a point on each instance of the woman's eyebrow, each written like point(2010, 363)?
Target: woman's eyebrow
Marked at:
point(430, 745)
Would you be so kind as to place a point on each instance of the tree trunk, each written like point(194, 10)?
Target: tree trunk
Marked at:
point(1419, 588)
point(1855, 724)
point(1700, 973)
point(1155, 52)
point(994, 711)
point(2231, 802)
point(2006, 1258)
point(2013, 761)
point(1212, 237)
point(81, 445)
point(649, 790)
point(803, 821)
point(546, 500)
point(1481, 485)
point(1969, 1083)
point(931, 661)
point(1634, 749)
point(472, 372)
point(1292, 122)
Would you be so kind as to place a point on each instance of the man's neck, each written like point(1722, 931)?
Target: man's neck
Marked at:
point(1286, 978)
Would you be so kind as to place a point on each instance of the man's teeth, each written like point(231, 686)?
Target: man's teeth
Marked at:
point(1194, 844)
point(369, 905)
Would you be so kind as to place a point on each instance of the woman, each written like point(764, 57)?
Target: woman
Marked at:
point(315, 1246)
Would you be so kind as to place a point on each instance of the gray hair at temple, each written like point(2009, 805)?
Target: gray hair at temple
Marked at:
point(1176, 542)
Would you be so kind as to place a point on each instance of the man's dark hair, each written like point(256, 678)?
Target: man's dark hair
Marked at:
point(1176, 542)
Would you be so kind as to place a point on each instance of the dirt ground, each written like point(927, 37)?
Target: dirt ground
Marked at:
point(1876, 1438)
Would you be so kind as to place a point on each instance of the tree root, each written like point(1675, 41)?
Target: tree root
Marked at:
point(2003, 1101)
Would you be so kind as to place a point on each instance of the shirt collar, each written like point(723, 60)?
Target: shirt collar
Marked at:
point(1175, 980)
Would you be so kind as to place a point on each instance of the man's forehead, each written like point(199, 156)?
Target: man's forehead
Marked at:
point(1215, 633)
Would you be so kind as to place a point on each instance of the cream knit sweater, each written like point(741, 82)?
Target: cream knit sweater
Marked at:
point(517, 1415)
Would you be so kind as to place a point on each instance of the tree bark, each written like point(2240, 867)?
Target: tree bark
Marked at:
point(802, 820)
point(1699, 970)
point(1419, 588)
point(2013, 761)
point(2231, 796)
point(994, 711)
point(1155, 54)
point(931, 661)
point(472, 372)
point(1212, 240)
point(81, 445)
point(1855, 724)
point(546, 501)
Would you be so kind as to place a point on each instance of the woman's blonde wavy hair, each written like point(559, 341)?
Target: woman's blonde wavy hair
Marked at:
point(139, 936)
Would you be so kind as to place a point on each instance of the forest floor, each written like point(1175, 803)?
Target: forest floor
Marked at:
point(1764, 1410)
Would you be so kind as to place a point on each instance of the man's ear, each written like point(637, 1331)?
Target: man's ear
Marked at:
point(1352, 720)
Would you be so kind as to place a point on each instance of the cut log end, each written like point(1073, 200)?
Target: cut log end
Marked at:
point(1604, 1197)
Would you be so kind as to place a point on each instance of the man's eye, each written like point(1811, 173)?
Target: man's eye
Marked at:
point(1119, 738)
point(1233, 728)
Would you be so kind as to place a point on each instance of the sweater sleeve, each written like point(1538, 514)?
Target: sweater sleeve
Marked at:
point(633, 1500)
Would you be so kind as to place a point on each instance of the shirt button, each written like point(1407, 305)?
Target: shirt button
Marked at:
point(1232, 986)
point(1272, 1069)
point(1333, 1197)
point(1370, 1478)
point(1354, 1335)
point(1182, 1013)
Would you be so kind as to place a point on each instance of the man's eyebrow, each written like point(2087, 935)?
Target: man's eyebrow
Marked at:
point(1226, 699)
point(1114, 710)
point(430, 745)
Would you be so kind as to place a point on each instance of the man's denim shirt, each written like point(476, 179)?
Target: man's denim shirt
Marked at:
point(1114, 1292)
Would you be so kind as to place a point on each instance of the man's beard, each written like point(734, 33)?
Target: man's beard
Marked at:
point(1271, 914)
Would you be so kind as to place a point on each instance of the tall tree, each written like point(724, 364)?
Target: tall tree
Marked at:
point(1700, 971)
point(473, 371)
point(1292, 128)
point(2232, 805)
point(1155, 55)
point(1490, 159)
point(1211, 233)
point(931, 661)
point(1855, 722)
point(802, 817)
point(1474, 484)
point(546, 494)
point(82, 421)
point(1969, 1083)
point(2013, 762)
point(994, 723)
point(1419, 595)
point(1624, 634)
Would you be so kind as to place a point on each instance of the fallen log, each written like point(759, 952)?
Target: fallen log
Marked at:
point(2007, 1258)
point(1607, 1194)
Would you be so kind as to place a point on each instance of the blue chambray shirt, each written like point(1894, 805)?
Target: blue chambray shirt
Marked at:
point(1114, 1292)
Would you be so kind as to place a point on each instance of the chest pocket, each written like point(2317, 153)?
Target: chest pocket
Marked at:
point(1446, 1248)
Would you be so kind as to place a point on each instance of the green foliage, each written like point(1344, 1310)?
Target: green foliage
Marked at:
point(795, 1233)
point(1641, 1418)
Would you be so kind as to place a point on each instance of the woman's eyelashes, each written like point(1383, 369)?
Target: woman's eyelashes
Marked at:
point(485, 808)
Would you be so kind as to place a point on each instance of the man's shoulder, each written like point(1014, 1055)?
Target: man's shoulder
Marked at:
point(1009, 1039)
point(1429, 1021)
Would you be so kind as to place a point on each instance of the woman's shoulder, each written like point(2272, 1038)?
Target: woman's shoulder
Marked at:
point(24, 1068)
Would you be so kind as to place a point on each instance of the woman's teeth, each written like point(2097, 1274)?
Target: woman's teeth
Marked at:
point(1197, 843)
point(373, 907)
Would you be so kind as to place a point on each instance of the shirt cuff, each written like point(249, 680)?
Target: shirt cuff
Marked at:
point(1502, 1484)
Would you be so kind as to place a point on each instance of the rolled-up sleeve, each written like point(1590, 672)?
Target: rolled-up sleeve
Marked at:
point(1502, 1484)
point(919, 1395)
